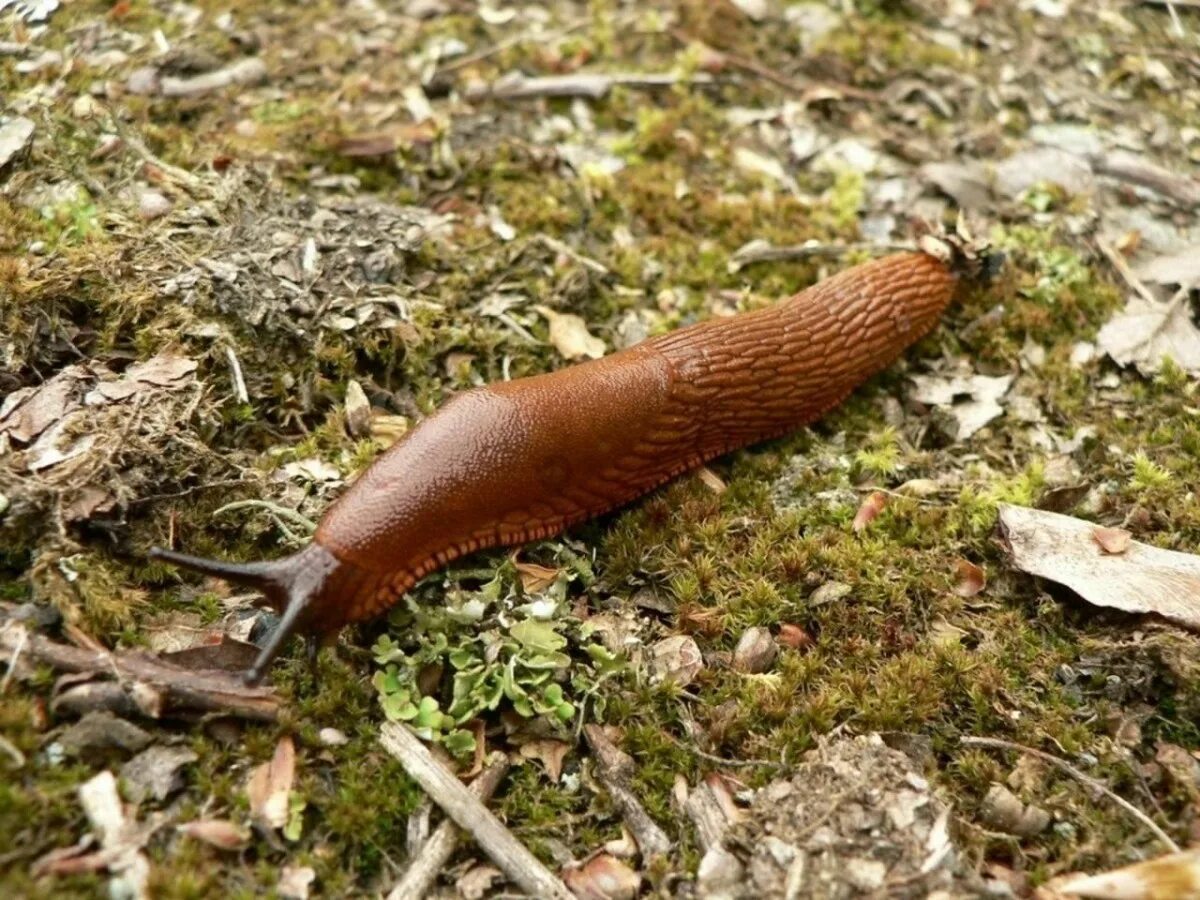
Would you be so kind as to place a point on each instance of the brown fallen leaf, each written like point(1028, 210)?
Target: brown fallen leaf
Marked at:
point(1142, 579)
point(871, 507)
point(570, 336)
point(270, 785)
point(603, 877)
point(167, 370)
point(534, 577)
point(1112, 540)
point(220, 833)
point(549, 753)
point(794, 636)
point(971, 578)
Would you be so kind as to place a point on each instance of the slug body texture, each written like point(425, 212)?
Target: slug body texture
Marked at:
point(522, 460)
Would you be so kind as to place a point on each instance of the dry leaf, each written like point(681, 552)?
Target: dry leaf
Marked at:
point(294, 882)
point(570, 336)
point(549, 753)
point(676, 659)
point(1143, 333)
point(1175, 876)
point(871, 507)
point(972, 401)
point(1173, 268)
point(221, 833)
point(1112, 540)
point(1143, 579)
point(971, 578)
point(603, 877)
point(535, 578)
point(794, 636)
point(26, 413)
point(358, 411)
point(477, 881)
point(166, 370)
point(271, 783)
point(712, 480)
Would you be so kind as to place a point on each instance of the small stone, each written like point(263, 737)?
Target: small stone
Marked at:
point(102, 731)
point(155, 772)
point(755, 652)
point(865, 874)
point(15, 136)
point(828, 592)
point(676, 659)
point(143, 81)
point(153, 205)
point(331, 737)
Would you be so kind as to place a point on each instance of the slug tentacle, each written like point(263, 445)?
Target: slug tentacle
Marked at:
point(299, 588)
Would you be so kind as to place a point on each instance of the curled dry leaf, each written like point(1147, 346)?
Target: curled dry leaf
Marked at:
point(1003, 810)
point(569, 335)
point(712, 480)
point(604, 877)
point(1112, 540)
point(971, 578)
point(869, 510)
point(220, 833)
point(1175, 875)
point(676, 659)
point(549, 753)
point(1143, 579)
point(535, 578)
point(270, 785)
point(794, 636)
point(1144, 333)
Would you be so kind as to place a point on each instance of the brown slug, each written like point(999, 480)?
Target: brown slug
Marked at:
point(524, 459)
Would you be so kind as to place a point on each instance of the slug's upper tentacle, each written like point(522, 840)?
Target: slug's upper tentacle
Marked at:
point(301, 588)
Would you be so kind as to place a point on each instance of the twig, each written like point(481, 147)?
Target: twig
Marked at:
point(720, 760)
point(764, 251)
point(1132, 169)
point(175, 688)
point(812, 90)
point(251, 70)
point(567, 250)
point(280, 512)
point(1096, 785)
point(436, 851)
point(1122, 268)
point(239, 381)
point(589, 85)
point(513, 858)
point(615, 767)
point(480, 55)
point(13, 659)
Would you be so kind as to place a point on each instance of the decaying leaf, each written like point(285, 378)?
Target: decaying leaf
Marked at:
point(870, 508)
point(294, 882)
point(1112, 540)
point(220, 833)
point(971, 578)
point(1173, 268)
point(270, 785)
point(535, 578)
point(166, 370)
point(972, 401)
point(677, 659)
point(603, 877)
point(1145, 332)
point(1170, 877)
point(1142, 579)
point(155, 772)
point(569, 335)
point(712, 480)
point(549, 753)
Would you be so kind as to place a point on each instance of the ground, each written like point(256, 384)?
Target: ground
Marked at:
point(245, 292)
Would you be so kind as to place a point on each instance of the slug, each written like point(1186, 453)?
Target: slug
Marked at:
point(525, 459)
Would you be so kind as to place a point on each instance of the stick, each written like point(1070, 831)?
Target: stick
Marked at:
point(437, 849)
point(590, 85)
point(764, 251)
point(513, 858)
point(1122, 268)
point(1133, 169)
point(208, 690)
point(1096, 785)
point(615, 766)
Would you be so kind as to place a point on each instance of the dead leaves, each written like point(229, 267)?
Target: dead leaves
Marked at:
point(1104, 565)
point(270, 786)
point(570, 336)
point(1147, 331)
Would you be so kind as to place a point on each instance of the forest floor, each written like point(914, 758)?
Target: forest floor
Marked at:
point(243, 247)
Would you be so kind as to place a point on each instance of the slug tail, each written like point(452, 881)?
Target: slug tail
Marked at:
point(292, 586)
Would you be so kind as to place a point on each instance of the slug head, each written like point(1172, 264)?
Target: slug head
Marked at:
point(304, 589)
